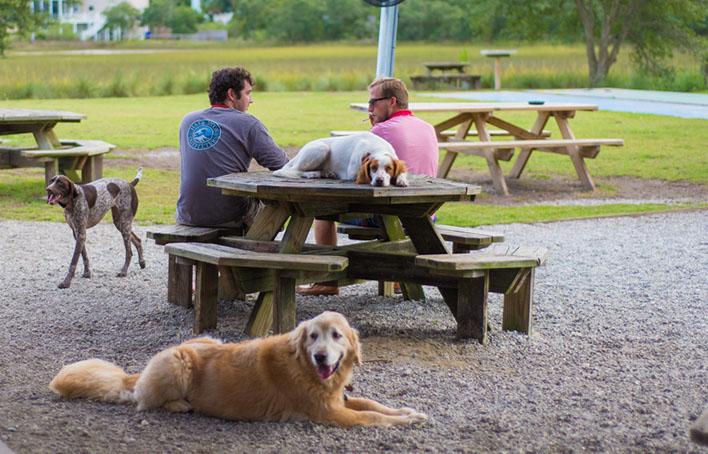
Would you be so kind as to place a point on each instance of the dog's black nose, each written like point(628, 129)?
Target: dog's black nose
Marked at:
point(320, 358)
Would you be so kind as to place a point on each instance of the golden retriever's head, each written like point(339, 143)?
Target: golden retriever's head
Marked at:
point(380, 170)
point(61, 190)
point(328, 344)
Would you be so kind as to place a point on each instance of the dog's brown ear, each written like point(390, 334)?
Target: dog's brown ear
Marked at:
point(355, 349)
point(364, 176)
point(298, 337)
point(399, 167)
point(74, 191)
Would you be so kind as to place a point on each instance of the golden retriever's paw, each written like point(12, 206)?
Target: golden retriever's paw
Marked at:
point(415, 417)
point(177, 406)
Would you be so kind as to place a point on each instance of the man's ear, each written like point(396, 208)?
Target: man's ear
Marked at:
point(363, 177)
point(399, 167)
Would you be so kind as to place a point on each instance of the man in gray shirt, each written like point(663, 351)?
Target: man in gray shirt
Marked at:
point(219, 140)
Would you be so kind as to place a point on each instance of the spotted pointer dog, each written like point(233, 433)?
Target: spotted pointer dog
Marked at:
point(85, 205)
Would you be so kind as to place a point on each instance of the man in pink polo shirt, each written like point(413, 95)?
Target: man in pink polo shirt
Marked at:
point(413, 139)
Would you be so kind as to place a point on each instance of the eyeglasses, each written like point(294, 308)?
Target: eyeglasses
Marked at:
point(373, 101)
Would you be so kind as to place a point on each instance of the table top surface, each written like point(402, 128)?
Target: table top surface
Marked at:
point(445, 64)
point(497, 52)
point(479, 107)
point(35, 115)
point(265, 186)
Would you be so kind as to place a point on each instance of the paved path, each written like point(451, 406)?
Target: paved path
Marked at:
point(684, 105)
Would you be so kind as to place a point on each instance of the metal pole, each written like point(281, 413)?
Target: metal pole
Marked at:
point(387, 41)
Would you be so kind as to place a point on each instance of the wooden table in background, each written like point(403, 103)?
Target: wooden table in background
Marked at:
point(56, 156)
point(467, 115)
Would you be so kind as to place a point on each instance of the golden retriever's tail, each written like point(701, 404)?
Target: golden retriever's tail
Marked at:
point(95, 379)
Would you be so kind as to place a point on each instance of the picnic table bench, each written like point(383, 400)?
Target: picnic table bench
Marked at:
point(180, 275)
point(500, 269)
point(208, 258)
point(66, 157)
point(458, 77)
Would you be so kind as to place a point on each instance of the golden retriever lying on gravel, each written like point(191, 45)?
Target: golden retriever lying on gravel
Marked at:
point(298, 375)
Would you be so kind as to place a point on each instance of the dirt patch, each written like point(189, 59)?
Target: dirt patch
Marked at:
point(529, 189)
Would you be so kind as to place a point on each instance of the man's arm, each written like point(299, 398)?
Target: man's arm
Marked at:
point(263, 148)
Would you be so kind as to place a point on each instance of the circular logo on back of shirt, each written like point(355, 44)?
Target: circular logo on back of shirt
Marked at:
point(203, 134)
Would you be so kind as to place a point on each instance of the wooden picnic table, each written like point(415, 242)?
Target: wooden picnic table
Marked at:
point(56, 156)
point(300, 201)
point(468, 115)
point(445, 66)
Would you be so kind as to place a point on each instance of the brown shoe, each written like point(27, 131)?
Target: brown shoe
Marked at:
point(318, 289)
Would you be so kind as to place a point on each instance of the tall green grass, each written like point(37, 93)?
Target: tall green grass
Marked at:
point(326, 67)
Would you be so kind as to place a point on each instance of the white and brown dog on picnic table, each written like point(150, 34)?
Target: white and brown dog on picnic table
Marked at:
point(298, 375)
point(86, 204)
point(363, 157)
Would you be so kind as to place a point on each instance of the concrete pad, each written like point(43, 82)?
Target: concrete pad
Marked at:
point(683, 105)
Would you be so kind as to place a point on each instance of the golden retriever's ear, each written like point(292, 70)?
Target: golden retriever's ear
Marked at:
point(297, 338)
point(355, 348)
point(399, 167)
point(363, 177)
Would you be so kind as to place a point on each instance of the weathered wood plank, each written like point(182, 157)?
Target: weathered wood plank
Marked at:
point(179, 282)
point(518, 304)
point(205, 298)
point(284, 304)
point(219, 255)
point(536, 144)
point(178, 233)
point(471, 313)
point(499, 256)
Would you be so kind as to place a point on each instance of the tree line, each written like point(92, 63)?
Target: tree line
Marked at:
point(650, 29)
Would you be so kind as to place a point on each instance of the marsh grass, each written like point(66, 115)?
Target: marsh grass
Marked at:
point(325, 67)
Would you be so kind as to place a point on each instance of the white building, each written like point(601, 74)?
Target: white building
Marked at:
point(87, 18)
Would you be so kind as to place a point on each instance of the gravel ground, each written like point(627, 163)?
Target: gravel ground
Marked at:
point(618, 361)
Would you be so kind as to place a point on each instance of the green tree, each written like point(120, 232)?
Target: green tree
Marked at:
point(212, 7)
point(157, 14)
point(177, 15)
point(653, 29)
point(184, 20)
point(16, 16)
point(121, 17)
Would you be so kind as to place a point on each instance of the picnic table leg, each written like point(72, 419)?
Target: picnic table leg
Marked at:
point(51, 169)
point(427, 240)
point(88, 169)
point(525, 153)
point(394, 231)
point(472, 308)
point(518, 300)
point(46, 138)
point(449, 157)
point(495, 170)
point(573, 150)
point(284, 309)
point(205, 297)
point(179, 281)
point(261, 317)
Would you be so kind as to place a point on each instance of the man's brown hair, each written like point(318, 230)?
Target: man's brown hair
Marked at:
point(225, 78)
point(390, 86)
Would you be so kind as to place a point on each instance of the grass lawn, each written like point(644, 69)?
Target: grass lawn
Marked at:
point(656, 147)
point(182, 68)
